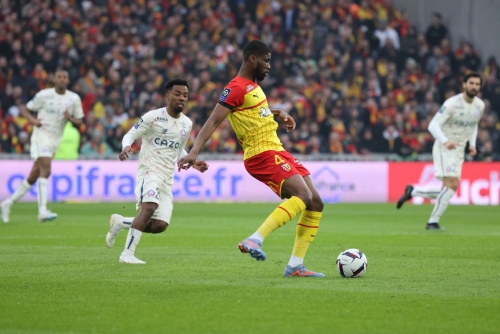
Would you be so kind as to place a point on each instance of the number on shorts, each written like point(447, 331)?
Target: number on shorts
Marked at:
point(278, 160)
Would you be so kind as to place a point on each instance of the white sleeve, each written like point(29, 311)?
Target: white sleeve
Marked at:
point(439, 119)
point(37, 102)
point(139, 129)
point(77, 110)
point(182, 154)
point(435, 129)
point(473, 136)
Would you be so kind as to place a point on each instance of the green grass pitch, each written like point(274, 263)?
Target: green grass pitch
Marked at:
point(59, 277)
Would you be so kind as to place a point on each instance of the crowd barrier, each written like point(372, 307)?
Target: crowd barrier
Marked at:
point(228, 181)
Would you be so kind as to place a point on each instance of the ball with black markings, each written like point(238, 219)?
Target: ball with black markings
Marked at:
point(352, 263)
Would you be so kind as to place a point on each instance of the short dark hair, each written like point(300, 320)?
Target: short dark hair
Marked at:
point(473, 75)
point(175, 82)
point(255, 48)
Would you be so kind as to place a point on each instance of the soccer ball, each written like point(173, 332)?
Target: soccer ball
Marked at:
point(352, 263)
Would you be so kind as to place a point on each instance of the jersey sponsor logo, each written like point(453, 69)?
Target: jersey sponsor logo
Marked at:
point(164, 131)
point(464, 124)
point(138, 124)
point(162, 119)
point(224, 95)
point(167, 143)
point(264, 112)
point(249, 88)
point(286, 167)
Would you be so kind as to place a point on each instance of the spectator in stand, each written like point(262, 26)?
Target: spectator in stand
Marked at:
point(96, 146)
point(436, 31)
point(344, 69)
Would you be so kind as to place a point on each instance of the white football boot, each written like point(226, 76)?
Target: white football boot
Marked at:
point(130, 258)
point(5, 207)
point(115, 226)
point(46, 216)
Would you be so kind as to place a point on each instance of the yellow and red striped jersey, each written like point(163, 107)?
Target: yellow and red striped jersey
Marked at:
point(250, 117)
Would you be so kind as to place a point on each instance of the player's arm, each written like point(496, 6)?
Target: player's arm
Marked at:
point(437, 122)
point(472, 142)
point(199, 165)
point(33, 105)
point(218, 115)
point(77, 111)
point(285, 118)
point(139, 129)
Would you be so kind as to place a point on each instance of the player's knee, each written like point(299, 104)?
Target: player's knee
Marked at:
point(305, 196)
point(454, 184)
point(316, 204)
point(159, 226)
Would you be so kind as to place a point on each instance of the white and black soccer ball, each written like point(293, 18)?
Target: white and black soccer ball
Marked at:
point(352, 263)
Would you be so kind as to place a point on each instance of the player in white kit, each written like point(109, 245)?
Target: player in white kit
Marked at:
point(454, 124)
point(55, 106)
point(164, 133)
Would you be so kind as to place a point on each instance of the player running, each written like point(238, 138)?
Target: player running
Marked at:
point(244, 102)
point(452, 126)
point(55, 106)
point(164, 133)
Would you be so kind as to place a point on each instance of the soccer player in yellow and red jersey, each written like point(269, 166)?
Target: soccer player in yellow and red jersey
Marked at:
point(245, 104)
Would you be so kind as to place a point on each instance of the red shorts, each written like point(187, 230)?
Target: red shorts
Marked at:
point(273, 167)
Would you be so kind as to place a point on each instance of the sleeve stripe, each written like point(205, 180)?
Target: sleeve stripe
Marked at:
point(226, 105)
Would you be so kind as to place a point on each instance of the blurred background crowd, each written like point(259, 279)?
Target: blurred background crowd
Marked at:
point(357, 76)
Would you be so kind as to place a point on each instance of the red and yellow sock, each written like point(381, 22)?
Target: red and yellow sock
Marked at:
point(285, 212)
point(307, 227)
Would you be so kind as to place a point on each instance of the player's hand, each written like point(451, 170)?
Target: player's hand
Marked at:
point(285, 118)
point(201, 166)
point(450, 145)
point(472, 151)
point(36, 122)
point(126, 151)
point(187, 161)
point(67, 115)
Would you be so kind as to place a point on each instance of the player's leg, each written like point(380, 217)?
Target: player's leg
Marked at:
point(306, 230)
point(116, 224)
point(450, 186)
point(410, 191)
point(285, 212)
point(23, 188)
point(135, 232)
point(448, 168)
point(45, 166)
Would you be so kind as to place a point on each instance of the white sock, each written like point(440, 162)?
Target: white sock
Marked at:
point(42, 194)
point(426, 192)
point(127, 222)
point(295, 261)
point(20, 191)
point(441, 204)
point(133, 238)
point(257, 236)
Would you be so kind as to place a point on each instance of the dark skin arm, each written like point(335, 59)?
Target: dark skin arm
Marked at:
point(76, 121)
point(216, 118)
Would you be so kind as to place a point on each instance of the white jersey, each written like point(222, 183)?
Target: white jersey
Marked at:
point(458, 119)
point(51, 107)
point(163, 140)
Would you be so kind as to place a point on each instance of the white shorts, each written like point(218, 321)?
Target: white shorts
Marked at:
point(42, 146)
point(150, 190)
point(447, 163)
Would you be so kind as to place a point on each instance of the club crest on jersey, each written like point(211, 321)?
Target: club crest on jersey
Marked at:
point(264, 112)
point(224, 94)
point(151, 193)
point(286, 167)
point(138, 124)
point(183, 133)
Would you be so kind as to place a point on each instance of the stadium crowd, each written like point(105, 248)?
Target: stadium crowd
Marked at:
point(357, 76)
